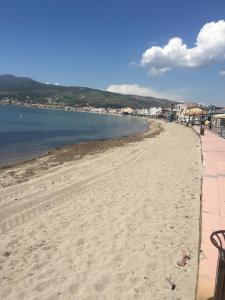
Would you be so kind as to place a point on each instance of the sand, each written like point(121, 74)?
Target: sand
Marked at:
point(110, 224)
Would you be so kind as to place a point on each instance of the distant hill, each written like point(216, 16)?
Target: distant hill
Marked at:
point(23, 88)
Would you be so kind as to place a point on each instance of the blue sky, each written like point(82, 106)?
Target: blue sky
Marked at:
point(101, 43)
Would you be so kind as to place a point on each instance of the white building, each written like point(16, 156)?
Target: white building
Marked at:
point(127, 110)
point(180, 110)
point(155, 112)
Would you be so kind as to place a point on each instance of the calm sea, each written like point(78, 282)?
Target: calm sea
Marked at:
point(26, 133)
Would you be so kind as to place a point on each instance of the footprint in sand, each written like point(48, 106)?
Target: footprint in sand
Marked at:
point(102, 283)
point(73, 288)
point(44, 285)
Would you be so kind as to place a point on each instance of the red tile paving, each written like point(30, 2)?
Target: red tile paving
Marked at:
point(213, 209)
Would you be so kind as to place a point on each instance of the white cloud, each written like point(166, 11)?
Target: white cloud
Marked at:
point(209, 48)
point(55, 83)
point(222, 72)
point(155, 72)
point(135, 89)
point(134, 64)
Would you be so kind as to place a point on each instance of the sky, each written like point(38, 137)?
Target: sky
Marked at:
point(172, 49)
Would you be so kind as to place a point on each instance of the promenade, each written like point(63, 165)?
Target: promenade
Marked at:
point(213, 210)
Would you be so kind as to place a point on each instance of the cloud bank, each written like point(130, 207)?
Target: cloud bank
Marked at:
point(209, 48)
point(222, 72)
point(135, 89)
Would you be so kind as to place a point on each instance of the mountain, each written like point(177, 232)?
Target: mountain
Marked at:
point(22, 88)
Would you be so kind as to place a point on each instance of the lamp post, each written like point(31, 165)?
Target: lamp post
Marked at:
point(201, 127)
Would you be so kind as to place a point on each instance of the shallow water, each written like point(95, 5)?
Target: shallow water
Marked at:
point(26, 133)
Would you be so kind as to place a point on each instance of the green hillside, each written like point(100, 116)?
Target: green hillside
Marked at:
point(22, 88)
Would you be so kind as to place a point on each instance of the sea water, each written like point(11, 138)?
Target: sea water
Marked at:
point(26, 133)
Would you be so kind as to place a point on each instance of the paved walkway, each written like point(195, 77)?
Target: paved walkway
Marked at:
point(213, 209)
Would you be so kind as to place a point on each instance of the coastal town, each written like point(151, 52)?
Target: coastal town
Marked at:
point(188, 113)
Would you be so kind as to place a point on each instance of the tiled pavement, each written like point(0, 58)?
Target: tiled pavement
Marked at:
point(213, 210)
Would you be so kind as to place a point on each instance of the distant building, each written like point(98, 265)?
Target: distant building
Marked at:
point(186, 111)
point(179, 110)
point(127, 111)
point(155, 112)
point(219, 120)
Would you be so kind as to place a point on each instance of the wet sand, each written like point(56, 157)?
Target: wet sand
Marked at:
point(103, 220)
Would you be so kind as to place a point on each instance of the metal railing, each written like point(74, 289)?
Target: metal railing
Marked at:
point(218, 240)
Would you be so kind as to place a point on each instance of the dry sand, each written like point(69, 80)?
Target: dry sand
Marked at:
point(110, 225)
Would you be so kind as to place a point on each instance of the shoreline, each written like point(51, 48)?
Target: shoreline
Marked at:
point(57, 156)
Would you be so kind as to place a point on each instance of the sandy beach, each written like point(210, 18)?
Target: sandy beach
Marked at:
point(107, 220)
